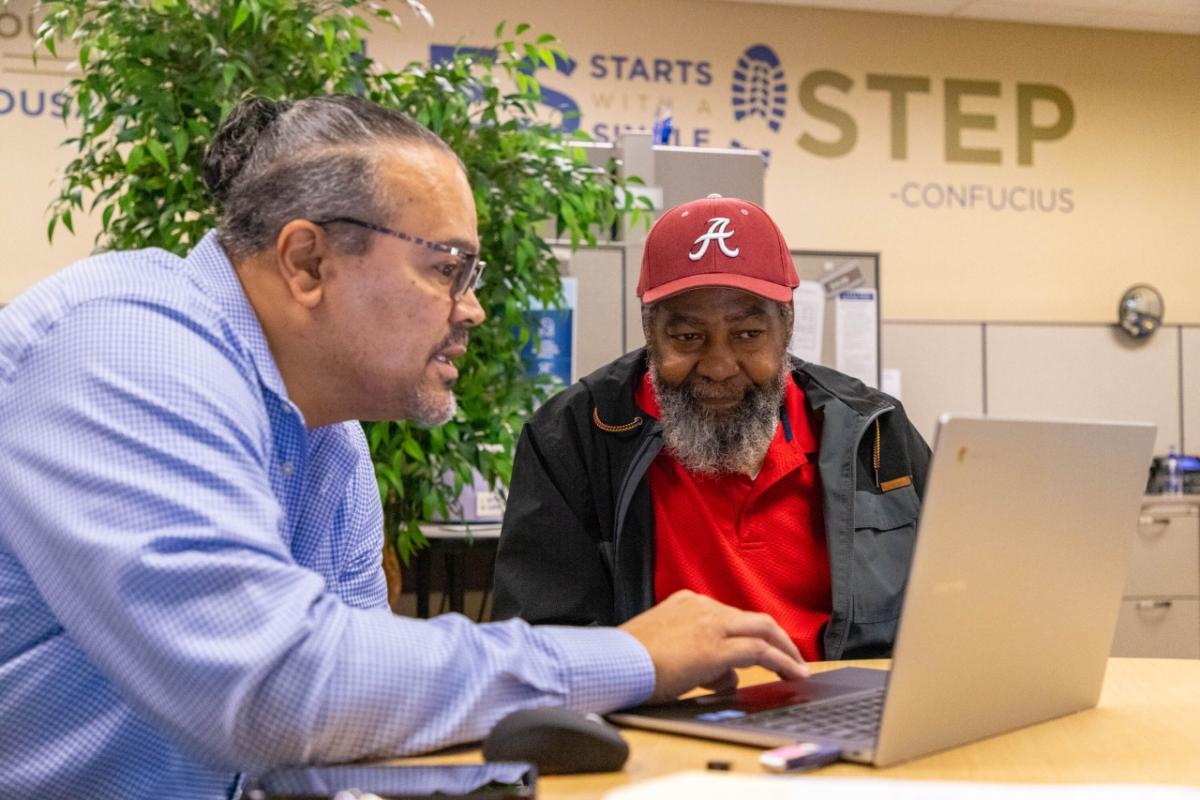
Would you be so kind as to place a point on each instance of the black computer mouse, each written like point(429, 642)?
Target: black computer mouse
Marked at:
point(558, 741)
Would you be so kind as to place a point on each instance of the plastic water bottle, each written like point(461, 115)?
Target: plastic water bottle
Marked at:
point(663, 124)
point(1174, 476)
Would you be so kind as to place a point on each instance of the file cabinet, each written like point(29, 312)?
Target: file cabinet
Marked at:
point(1160, 610)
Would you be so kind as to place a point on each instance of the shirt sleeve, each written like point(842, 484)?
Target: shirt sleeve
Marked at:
point(135, 492)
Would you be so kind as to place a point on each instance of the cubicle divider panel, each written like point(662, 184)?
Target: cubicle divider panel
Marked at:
point(601, 310)
point(1085, 372)
point(940, 366)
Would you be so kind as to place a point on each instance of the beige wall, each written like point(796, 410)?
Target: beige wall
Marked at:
point(1130, 164)
point(30, 158)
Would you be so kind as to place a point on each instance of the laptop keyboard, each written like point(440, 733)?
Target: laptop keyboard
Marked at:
point(853, 718)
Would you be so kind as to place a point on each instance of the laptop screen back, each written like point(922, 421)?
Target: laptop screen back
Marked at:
point(1011, 604)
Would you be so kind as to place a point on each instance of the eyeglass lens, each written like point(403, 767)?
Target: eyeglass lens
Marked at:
point(470, 276)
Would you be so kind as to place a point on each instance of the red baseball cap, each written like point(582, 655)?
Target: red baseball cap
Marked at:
point(717, 241)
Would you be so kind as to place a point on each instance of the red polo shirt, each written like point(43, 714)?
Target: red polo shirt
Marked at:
point(756, 544)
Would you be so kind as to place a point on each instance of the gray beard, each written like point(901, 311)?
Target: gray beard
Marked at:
point(733, 441)
point(428, 409)
point(432, 411)
point(432, 408)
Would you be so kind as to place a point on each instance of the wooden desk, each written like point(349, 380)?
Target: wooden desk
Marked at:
point(1146, 729)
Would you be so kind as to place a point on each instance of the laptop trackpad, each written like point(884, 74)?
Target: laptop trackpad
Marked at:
point(822, 686)
point(835, 683)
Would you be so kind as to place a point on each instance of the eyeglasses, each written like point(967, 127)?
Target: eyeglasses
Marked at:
point(464, 275)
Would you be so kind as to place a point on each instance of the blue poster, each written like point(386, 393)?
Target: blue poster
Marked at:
point(555, 329)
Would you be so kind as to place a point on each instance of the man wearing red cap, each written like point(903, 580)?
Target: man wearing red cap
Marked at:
point(713, 461)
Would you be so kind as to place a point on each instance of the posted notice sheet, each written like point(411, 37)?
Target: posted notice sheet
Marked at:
point(858, 335)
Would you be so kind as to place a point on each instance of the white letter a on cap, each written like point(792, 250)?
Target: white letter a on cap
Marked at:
point(717, 231)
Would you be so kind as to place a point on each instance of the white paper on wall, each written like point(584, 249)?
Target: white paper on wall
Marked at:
point(809, 326)
point(857, 334)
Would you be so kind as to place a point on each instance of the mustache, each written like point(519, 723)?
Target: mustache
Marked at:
point(695, 393)
point(457, 336)
point(705, 390)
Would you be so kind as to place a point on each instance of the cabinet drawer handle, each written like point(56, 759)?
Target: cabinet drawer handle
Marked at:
point(1147, 605)
point(1155, 520)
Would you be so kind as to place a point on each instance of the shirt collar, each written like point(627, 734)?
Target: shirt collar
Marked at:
point(208, 266)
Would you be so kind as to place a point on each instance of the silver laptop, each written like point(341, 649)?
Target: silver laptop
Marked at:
point(1009, 611)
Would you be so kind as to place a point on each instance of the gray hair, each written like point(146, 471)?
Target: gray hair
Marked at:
point(274, 162)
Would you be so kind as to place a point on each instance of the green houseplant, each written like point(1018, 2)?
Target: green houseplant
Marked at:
point(157, 77)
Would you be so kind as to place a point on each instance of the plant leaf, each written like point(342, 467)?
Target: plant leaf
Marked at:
point(136, 155)
point(240, 16)
point(180, 140)
point(413, 449)
point(159, 153)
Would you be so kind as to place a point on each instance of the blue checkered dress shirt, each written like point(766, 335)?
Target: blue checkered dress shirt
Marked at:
point(190, 581)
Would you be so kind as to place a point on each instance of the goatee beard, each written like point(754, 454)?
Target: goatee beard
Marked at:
point(430, 407)
point(730, 440)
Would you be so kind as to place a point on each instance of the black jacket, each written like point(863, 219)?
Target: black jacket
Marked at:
point(577, 546)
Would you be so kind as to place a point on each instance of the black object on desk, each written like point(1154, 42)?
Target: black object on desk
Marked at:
point(402, 782)
point(1189, 473)
point(558, 741)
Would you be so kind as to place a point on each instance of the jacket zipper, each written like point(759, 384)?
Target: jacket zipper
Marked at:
point(875, 451)
point(873, 419)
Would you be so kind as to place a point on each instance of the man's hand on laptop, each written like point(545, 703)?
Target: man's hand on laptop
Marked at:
point(696, 641)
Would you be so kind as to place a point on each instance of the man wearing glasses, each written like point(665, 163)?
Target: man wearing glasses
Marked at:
point(190, 528)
